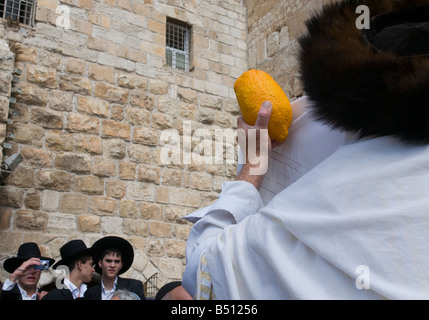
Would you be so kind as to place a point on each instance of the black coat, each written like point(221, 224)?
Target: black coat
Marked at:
point(61, 294)
point(58, 294)
point(13, 294)
point(136, 286)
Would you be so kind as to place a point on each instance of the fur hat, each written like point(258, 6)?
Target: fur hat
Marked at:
point(370, 82)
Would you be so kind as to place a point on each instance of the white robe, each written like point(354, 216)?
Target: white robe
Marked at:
point(354, 227)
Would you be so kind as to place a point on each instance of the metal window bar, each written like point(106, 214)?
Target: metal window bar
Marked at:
point(177, 45)
point(18, 10)
point(150, 286)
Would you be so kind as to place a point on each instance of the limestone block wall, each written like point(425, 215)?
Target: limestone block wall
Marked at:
point(273, 27)
point(96, 96)
point(7, 59)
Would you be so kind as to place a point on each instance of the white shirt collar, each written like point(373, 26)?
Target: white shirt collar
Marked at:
point(107, 294)
point(76, 292)
point(24, 294)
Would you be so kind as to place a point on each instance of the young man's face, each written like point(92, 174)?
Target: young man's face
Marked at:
point(30, 279)
point(87, 270)
point(110, 265)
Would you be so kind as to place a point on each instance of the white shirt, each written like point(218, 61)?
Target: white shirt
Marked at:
point(107, 294)
point(354, 227)
point(76, 292)
point(8, 285)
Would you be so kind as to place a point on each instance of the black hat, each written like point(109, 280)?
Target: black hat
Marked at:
point(403, 32)
point(113, 242)
point(73, 250)
point(167, 288)
point(26, 251)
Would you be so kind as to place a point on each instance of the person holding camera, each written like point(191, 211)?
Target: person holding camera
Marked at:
point(25, 270)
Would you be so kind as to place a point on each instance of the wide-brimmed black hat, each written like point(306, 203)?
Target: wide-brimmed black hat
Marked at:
point(118, 243)
point(402, 32)
point(26, 251)
point(73, 250)
point(166, 288)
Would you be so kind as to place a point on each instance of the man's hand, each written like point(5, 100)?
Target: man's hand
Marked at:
point(257, 154)
point(24, 268)
point(40, 295)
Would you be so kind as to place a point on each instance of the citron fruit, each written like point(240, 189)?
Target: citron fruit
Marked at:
point(254, 87)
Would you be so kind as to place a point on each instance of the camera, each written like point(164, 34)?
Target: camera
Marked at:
point(44, 265)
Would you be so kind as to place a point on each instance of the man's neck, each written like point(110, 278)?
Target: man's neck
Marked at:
point(108, 282)
point(75, 279)
point(29, 290)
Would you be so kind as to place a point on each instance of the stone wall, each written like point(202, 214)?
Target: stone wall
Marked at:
point(95, 98)
point(7, 59)
point(273, 28)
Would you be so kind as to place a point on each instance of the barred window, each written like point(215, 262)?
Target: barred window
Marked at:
point(22, 11)
point(178, 44)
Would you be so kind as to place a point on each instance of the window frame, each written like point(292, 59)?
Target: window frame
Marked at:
point(22, 11)
point(172, 53)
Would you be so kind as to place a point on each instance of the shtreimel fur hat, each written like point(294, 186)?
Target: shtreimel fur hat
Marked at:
point(373, 82)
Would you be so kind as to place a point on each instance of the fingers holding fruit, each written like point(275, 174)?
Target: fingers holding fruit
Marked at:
point(253, 89)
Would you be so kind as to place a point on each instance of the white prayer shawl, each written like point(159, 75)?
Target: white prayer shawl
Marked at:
point(354, 227)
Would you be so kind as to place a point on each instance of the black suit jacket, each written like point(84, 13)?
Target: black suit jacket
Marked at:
point(13, 294)
point(58, 294)
point(136, 286)
point(61, 294)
